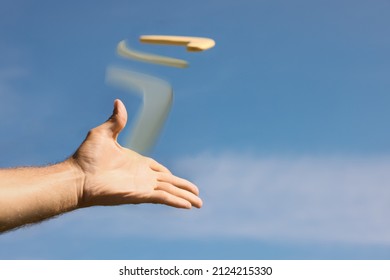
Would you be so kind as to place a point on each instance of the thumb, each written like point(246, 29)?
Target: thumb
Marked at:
point(118, 119)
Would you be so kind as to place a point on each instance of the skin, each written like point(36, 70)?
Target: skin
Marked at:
point(101, 172)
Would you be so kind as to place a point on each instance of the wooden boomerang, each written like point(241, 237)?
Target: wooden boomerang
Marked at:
point(192, 43)
point(127, 52)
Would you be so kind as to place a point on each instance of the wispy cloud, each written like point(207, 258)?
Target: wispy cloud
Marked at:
point(316, 199)
point(309, 198)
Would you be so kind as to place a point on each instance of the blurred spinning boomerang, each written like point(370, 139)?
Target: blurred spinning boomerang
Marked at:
point(124, 50)
point(157, 100)
point(157, 94)
point(193, 44)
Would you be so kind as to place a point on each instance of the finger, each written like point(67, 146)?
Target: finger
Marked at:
point(188, 196)
point(178, 182)
point(114, 125)
point(163, 197)
point(155, 166)
point(119, 118)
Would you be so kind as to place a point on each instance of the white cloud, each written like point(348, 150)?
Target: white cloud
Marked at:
point(317, 198)
point(320, 199)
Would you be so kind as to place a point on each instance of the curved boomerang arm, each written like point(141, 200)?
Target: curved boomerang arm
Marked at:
point(157, 101)
point(193, 44)
point(125, 51)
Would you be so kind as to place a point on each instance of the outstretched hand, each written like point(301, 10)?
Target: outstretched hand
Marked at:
point(116, 175)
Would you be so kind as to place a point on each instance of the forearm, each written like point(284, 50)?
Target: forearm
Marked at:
point(29, 195)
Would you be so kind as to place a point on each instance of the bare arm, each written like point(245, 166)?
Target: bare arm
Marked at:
point(101, 172)
point(29, 195)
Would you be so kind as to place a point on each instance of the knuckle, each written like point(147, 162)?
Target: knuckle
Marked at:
point(163, 197)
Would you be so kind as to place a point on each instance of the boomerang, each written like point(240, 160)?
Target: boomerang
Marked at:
point(157, 100)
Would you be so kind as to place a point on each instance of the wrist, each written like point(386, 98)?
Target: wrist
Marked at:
point(78, 175)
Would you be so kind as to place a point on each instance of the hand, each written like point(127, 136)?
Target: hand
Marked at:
point(115, 175)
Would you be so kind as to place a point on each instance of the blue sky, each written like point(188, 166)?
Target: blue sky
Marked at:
point(283, 125)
